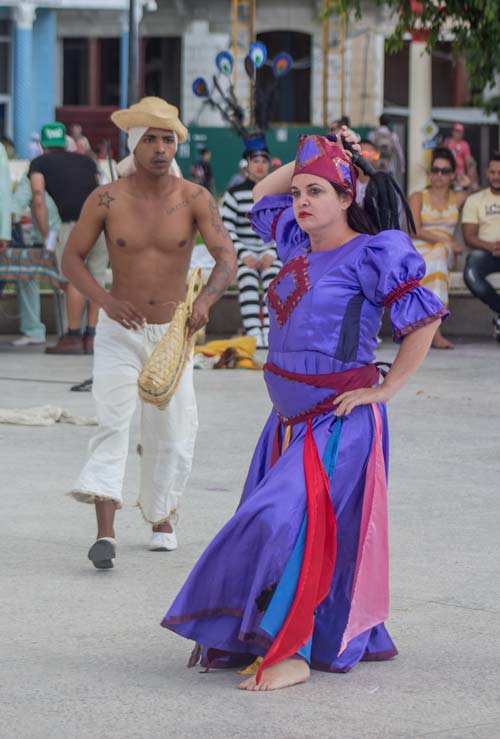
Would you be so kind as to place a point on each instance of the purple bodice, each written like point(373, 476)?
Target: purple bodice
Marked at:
point(326, 307)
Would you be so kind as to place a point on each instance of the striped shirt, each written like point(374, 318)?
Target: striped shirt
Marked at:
point(236, 204)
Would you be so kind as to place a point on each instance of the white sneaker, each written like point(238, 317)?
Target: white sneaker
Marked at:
point(162, 541)
point(26, 340)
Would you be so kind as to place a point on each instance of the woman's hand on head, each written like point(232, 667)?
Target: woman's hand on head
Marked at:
point(351, 138)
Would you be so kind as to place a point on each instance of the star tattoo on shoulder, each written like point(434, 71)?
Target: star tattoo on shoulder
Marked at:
point(105, 199)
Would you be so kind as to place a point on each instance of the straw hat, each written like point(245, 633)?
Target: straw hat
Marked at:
point(151, 112)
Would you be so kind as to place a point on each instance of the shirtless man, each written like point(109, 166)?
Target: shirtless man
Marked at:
point(150, 219)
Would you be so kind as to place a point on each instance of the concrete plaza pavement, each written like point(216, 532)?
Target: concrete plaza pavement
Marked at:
point(83, 655)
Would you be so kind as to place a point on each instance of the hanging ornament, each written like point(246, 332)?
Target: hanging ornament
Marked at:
point(249, 67)
point(282, 64)
point(258, 53)
point(224, 62)
point(200, 88)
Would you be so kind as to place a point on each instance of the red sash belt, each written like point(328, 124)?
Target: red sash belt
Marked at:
point(340, 382)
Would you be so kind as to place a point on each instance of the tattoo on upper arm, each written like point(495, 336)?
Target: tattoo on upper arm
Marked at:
point(215, 219)
point(105, 199)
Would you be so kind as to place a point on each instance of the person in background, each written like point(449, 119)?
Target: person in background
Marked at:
point(69, 178)
point(276, 163)
point(240, 176)
point(9, 146)
point(344, 123)
point(369, 151)
point(201, 171)
point(34, 146)
point(28, 291)
point(258, 262)
point(481, 231)
point(5, 201)
point(436, 213)
point(81, 141)
point(460, 149)
point(106, 165)
point(391, 157)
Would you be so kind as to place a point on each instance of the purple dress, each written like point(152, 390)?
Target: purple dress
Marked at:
point(325, 312)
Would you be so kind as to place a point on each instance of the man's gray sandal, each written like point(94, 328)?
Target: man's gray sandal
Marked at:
point(102, 553)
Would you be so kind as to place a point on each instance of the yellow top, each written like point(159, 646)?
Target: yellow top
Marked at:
point(483, 208)
point(438, 222)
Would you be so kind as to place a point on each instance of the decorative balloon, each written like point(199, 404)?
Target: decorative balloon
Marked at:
point(200, 88)
point(282, 64)
point(258, 53)
point(225, 63)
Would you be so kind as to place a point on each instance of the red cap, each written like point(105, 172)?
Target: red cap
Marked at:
point(324, 158)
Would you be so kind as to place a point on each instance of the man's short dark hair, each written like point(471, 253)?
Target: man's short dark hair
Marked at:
point(494, 157)
point(204, 151)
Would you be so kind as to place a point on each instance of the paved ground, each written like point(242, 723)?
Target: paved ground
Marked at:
point(83, 656)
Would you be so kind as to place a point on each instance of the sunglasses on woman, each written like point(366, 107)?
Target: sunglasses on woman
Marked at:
point(441, 170)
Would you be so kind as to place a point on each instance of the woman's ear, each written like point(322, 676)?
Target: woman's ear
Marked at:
point(345, 200)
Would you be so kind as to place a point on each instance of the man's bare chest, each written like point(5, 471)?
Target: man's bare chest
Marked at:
point(167, 227)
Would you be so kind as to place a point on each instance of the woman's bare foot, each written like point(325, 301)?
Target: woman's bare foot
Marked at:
point(283, 675)
point(439, 342)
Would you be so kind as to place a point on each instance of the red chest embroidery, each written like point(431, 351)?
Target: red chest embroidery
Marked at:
point(297, 268)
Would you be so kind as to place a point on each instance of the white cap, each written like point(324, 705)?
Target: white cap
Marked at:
point(242, 163)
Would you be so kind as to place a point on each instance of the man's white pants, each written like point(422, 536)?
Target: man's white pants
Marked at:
point(167, 436)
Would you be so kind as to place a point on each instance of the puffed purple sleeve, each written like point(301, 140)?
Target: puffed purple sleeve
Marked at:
point(389, 271)
point(273, 219)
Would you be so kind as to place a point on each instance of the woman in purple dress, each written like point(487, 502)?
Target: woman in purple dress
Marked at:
point(298, 577)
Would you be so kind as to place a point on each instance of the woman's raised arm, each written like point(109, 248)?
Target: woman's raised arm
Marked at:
point(276, 183)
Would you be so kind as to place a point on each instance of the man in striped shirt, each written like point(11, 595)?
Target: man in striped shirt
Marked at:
point(258, 263)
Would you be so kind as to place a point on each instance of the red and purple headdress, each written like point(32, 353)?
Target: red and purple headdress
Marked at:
point(324, 158)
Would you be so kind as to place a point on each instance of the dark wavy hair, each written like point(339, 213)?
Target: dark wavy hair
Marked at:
point(442, 152)
point(384, 200)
